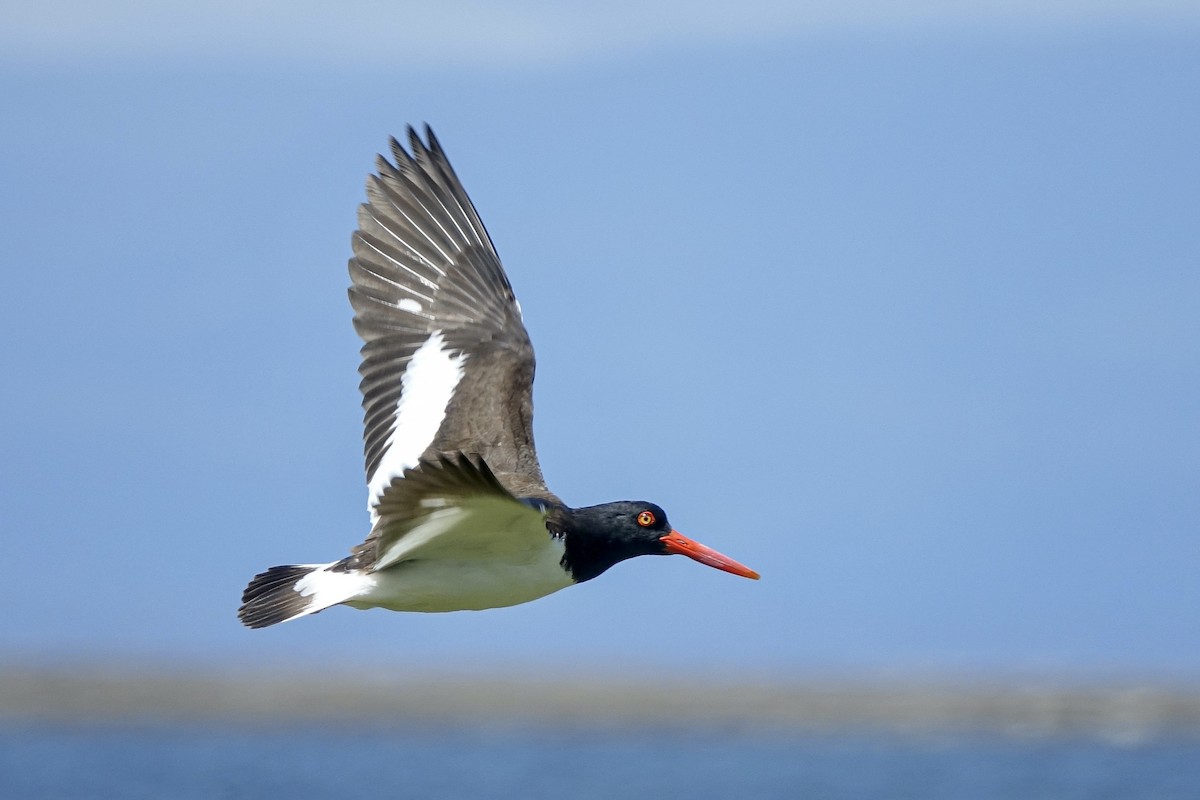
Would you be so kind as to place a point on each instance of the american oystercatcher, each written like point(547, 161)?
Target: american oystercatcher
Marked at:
point(460, 516)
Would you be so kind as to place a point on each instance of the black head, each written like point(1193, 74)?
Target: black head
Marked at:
point(596, 537)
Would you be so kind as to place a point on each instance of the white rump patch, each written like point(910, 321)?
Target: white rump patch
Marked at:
point(329, 587)
point(427, 387)
point(409, 305)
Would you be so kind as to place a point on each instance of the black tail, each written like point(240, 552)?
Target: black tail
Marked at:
point(272, 597)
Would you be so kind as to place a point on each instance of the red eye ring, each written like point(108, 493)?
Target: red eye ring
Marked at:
point(646, 519)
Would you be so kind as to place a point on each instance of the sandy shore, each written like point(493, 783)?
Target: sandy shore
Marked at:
point(115, 696)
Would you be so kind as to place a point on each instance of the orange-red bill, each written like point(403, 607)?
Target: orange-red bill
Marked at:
point(679, 544)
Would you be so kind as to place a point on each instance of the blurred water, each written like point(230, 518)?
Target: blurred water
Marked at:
point(157, 761)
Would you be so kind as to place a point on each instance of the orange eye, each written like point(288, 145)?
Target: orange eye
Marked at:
point(645, 519)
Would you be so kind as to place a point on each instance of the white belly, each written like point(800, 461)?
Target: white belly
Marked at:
point(467, 583)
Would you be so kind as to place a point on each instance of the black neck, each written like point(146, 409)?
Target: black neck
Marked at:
point(591, 541)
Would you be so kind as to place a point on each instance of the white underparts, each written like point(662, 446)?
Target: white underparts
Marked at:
point(436, 524)
point(468, 583)
point(484, 551)
point(427, 386)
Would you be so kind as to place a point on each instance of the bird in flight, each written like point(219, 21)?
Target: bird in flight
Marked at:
point(461, 518)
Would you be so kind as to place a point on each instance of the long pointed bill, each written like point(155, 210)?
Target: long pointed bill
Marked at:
point(679, 544)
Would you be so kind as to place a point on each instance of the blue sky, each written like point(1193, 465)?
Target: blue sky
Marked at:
point(899, 308)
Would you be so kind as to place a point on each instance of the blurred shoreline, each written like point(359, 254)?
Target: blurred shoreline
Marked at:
point(107, 695)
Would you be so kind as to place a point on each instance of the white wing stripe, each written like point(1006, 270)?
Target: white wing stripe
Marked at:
point(426, 388)
point(439, 523)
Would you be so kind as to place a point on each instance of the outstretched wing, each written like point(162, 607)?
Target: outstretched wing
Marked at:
point(447, 365)
point(451, 506)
